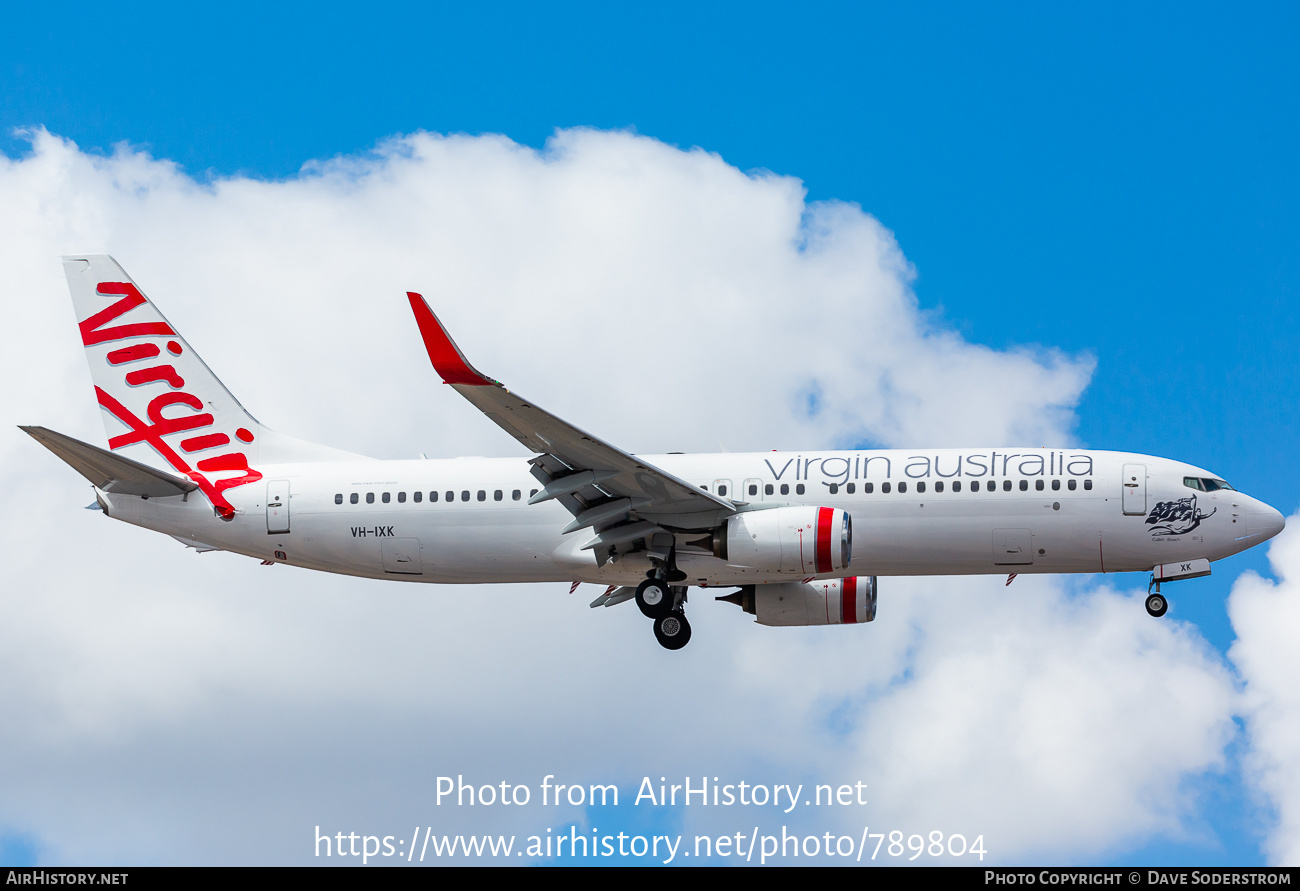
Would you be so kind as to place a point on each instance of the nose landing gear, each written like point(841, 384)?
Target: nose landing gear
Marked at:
point(1157, 605)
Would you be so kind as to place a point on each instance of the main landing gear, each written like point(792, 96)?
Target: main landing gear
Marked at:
point(659, 599)
point(673, 631)
point(663, 602)
point(655, 598)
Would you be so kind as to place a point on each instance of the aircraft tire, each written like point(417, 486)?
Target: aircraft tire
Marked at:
point(654, 598)
point(1157, 606)
point(673, 631)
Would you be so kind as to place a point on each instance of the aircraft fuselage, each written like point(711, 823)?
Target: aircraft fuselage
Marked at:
point(927, 513)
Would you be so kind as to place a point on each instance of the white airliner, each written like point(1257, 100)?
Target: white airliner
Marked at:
point(184, 458)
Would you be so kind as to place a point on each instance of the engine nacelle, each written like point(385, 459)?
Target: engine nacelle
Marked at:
point(795, 540)
point(849, 601)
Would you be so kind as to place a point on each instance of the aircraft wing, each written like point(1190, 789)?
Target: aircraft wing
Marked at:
point(624, 498)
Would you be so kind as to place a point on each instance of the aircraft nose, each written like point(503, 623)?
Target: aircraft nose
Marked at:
point(1264, 521)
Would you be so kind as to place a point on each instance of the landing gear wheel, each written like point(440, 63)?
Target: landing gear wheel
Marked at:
point(673, 631)
point(1157, 606)
point(655, 599)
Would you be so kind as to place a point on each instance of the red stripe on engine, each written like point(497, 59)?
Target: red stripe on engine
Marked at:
point(849, 601)
point(824, 515)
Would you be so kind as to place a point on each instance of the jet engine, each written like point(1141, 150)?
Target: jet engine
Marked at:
point(804, 540)
point(849, 601)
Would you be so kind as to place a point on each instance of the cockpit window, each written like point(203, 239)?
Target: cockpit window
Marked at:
point(1205, 484)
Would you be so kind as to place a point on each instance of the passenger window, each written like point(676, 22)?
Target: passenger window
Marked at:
point(705, 488)
point(401, 498)
point(464, 494)
point(920, 487)
point(482, 495)
point(370, 498)
point(353, 498)
point(1024, 485)
point(722, 490)
point(1038, 485)
point(902, 488)
point(497, 496)
point(850, 488)
point(514, 496)
point(387, 498)
point(433, 496)
point(338, 499)
point(1072, 485)
point(1006, 485)
point(835, 488)
point(938, 486)
point(1087, 484)
point(798, 489)
point(867, 488)
point(785, 489)
point(956, 485)
point(451, 496)
point(885, 487)
point(417, 497)
point(767, 490)
point(1056, 485)
point(991, 486)
point(532, 492)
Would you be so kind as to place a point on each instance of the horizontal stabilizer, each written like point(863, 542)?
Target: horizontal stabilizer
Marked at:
point(109, 472)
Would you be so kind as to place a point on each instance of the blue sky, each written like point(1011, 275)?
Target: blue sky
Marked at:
point(1102, 180)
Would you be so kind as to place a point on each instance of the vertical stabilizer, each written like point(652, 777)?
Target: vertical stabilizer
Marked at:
point(162, 406)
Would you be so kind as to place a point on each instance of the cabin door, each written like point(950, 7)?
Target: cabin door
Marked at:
point(1135, 489)
point(277, 507)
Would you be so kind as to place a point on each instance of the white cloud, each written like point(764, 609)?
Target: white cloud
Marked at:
point(167, 706)
point(1266, 617)
point(1058, 726)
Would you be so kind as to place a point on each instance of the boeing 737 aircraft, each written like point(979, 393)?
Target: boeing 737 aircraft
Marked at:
point(184, 458)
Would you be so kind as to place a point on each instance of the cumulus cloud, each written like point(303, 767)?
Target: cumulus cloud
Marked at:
point(1266, 617)
point(168, 707)
point(1058, 725)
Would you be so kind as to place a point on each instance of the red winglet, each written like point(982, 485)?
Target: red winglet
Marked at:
point(446, 357)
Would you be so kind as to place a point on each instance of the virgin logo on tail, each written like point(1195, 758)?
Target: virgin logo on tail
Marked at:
point(159, 425)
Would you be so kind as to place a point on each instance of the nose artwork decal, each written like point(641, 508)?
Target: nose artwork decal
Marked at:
point(1176, 517)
